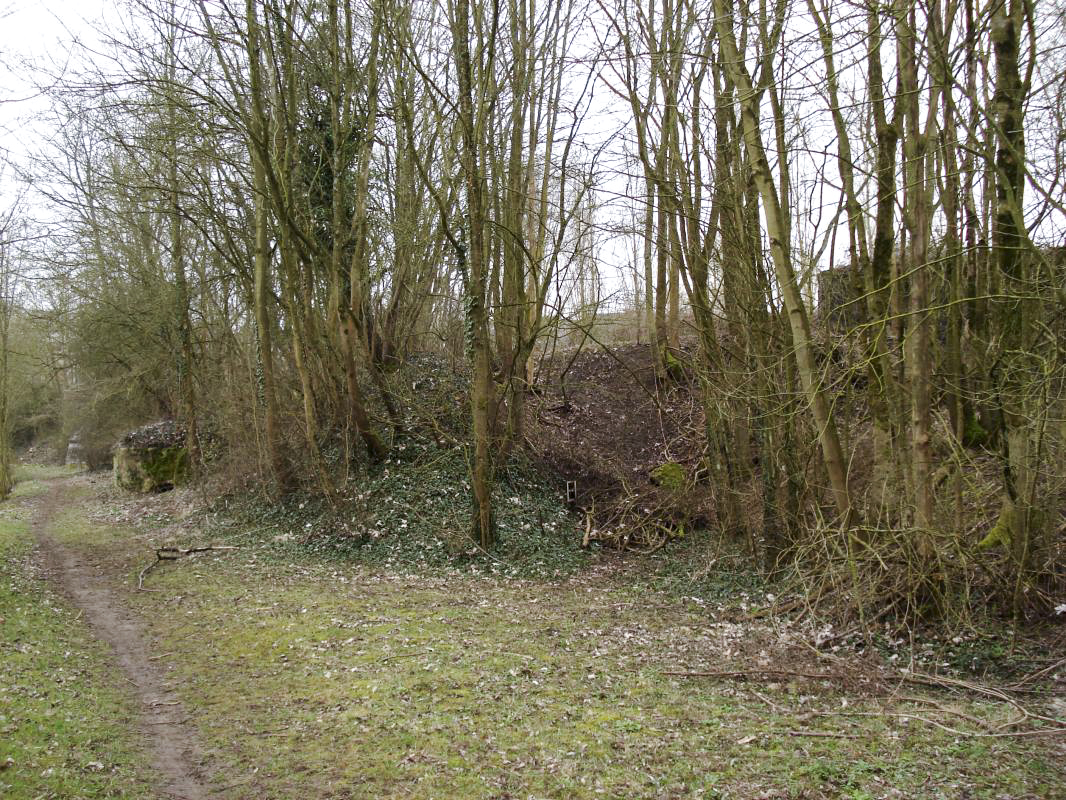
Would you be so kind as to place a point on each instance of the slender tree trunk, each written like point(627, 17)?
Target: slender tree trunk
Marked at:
point(185, 356)
point(662, 267)
point(482, 392)
point(7, 304)
point(264, 331)
point(649, 270)
point(1010, 245)
point(776, 227)
point(340, 122)
point(262, 295)
point(917, 220)
point(884, 391)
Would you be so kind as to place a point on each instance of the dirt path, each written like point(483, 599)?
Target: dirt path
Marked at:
point(171, 744)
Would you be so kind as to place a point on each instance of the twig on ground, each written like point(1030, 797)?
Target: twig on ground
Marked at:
point(940, 707)
point(745, 673)
point(773, 706)
point(944, 682)
point(271, 732)
point(823, 734)
point(1038, 674)
point(947, 728)
point(398, 655)
point(173, 554)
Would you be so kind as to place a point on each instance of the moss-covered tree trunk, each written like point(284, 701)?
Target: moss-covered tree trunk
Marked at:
point(1010, 243)
point(7, 480)
point(482, 391)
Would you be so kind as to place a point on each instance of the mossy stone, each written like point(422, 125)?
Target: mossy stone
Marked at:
point(1000, 533)
point(149, 469)
point(671, 476)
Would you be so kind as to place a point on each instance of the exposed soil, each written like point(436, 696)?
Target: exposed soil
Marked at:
point(170, 743)
point(603, 420)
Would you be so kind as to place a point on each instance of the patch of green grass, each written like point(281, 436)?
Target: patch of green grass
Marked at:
point(65, 730)
point(44, 472)
point(71, 527)
point(308, 675)
point(326, 679)
point(31, 479)
point(28, 488)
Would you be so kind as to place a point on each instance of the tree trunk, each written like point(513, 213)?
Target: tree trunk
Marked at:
point(776, 228)
point(1010, 244)
point(263, 323)
point(917, 222)
point(482, 391)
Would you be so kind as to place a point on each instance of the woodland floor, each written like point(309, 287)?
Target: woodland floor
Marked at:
point(261, 673)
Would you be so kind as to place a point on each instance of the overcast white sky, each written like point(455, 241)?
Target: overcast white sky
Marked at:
point(35, 40)
point(35, 34)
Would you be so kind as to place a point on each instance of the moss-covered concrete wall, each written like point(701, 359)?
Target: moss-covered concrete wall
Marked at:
point(149, 469)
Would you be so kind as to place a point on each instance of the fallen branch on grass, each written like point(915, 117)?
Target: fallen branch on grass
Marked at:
point(745, 673)
point(823, 734)
point(944, 682)
point(1018, 685)
point(173, 554)
point(953, 731)
point(397, 655)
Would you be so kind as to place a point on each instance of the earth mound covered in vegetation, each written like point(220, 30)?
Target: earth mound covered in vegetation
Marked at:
point(598, 421)
point(628, 439)
point(411, 510)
